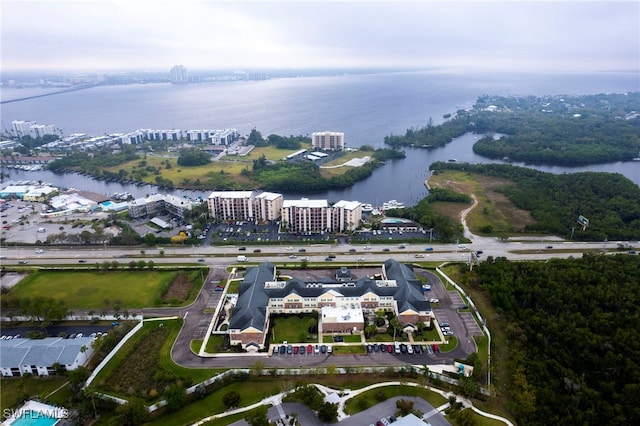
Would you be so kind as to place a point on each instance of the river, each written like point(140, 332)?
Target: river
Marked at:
point(365, 107)
point(401, 180)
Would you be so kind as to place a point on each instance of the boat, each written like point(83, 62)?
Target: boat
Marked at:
point(367, 208)
point(637, 158)
point(452, 160)
point(392, 204)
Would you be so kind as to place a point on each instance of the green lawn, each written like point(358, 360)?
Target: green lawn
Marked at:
point(251, 393)
point(15, 389)
point(359, 349)
point(374, 396)
point(293, 328)
point(92, 289)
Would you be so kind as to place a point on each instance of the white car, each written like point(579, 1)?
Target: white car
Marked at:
point(434, 300)
point(39, 251)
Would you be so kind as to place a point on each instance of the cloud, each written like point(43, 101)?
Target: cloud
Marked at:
point(560, 35)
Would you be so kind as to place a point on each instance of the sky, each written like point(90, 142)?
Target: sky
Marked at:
point(154, 35)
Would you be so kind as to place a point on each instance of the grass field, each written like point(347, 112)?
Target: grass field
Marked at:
point(292, 328)
point(493, 211)
point(91, 290)
point(15, 389)
point(372, 397)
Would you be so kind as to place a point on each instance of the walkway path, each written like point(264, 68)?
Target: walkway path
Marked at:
point(343, 396)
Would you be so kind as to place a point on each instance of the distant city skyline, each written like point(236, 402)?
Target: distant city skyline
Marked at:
point(139, 35)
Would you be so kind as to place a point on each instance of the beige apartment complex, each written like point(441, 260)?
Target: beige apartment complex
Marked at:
point(245, 205)
point(328, 141)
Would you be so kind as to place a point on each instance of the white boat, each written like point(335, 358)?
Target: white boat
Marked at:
point(392, 204)
point(452, 160)
point(367, 208)
point(638, 157)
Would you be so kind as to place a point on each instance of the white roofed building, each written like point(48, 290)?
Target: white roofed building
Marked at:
point(305, 215)
point(346, 215)
point(268, 206)
point(231, 205)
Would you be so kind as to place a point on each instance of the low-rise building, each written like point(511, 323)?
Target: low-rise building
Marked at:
point(341, 304)
point(41, 356)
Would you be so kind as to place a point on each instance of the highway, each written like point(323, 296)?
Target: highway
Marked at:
point(522, 249)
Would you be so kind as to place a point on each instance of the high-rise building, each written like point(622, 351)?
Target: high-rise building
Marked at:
point(179, 74)
point(328, 141)
point(245, 205)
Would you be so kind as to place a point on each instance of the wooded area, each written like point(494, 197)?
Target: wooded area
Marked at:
point(573, 333)
point(562, 130)
point(610, 201)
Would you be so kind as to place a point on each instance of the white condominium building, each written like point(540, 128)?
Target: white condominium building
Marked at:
point(346, 215)
point(306, 215)
point(268, 206)
point(244, 205)
point(328, 141)
point(23, 128)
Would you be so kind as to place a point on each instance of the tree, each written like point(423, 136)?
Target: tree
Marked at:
point(257, 368)
point(328, 412)
point(231, 399)
point(132, 413)
point(175, 396)
point(405, 406)
point(258, 417)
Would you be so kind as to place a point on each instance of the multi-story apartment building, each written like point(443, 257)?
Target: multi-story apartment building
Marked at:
point(328, 141)
point(40, 130)
point(158, 203)
point(341, 305)
point(179, 74)
point(163, 135)
point(150, 205)
point(31, 128)
point(245, 205)
point(216, 137)
point(22, 128)
point(346, 215)
point(268, 206)
point(306, 215)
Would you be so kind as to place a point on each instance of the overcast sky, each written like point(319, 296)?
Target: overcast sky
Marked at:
point(155, 35)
